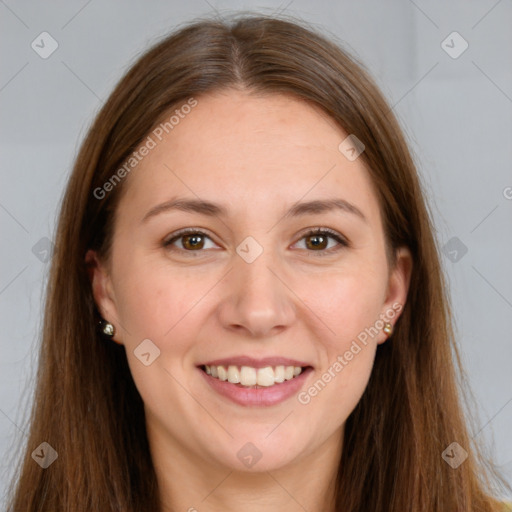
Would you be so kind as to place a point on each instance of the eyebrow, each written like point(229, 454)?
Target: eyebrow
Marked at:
point(216, 210)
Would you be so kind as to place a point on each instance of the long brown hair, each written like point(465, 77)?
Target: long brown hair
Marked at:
point(86, 405)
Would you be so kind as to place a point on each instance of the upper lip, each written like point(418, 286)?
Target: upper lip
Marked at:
point(255, 363)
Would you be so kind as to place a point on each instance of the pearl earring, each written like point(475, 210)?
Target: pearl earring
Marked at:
point(107, 328)
point(388, 328)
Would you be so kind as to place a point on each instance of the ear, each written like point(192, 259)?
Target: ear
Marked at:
point(102, 290)
point(398, 287)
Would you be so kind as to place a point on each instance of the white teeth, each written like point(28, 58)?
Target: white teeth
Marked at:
point(233, 374)
point(279, 374)
point(265, 376)
point(248, 376)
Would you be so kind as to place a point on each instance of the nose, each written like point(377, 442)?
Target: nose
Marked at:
point(258, 302)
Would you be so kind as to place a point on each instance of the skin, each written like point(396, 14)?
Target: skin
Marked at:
point(258, 156)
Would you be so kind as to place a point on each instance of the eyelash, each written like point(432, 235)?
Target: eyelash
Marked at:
point(314, 232)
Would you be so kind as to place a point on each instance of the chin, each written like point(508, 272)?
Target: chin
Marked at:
point(255, 454)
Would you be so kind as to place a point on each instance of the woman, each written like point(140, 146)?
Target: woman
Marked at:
point(245, 223)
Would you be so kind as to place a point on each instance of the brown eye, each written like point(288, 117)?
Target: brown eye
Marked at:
point(193, 241)
point(190, 240)
point(318, 241)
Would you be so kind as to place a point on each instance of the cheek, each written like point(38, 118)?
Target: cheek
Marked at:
point(156, 304)
point(350, 305)
point(347, 361)
point(152, 298)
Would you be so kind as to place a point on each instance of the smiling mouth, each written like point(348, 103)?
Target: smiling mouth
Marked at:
point(249, 377)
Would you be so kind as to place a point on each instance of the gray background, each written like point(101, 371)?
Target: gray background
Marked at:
point(457, 113)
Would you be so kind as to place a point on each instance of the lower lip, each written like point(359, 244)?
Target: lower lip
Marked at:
point(264, 396)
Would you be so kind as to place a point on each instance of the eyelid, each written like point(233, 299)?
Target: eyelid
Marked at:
point(321, 230)
point(186, 231)
point(342, 241)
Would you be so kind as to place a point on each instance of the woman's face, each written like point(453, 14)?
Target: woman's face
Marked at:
point(249, 287)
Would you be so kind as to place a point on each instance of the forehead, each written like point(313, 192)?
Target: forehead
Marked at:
point(249, 151)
